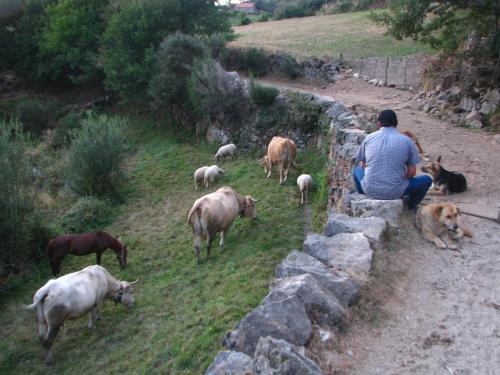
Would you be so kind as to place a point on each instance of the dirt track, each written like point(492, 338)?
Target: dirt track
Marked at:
point(443, 311)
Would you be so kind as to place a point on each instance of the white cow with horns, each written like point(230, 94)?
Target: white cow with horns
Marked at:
point(74, 295)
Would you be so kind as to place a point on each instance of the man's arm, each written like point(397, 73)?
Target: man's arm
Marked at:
point(362, 164)
point(411, 171)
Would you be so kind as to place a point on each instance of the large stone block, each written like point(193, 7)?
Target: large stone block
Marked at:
point(374, 228)
point(390, 210)
point(274, 357)
point(335, 110)
point(348, 135)
point(321, 306)
point(231, 363)
point(283, 319)
point(350, 252)
point(344, 287)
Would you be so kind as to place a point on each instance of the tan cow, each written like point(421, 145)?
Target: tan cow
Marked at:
point(215, 212)
point(281, 151)
point(74, 295)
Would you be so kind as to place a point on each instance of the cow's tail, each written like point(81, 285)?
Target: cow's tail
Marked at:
point(191, 217)
point(38, 300)
point(290, 157)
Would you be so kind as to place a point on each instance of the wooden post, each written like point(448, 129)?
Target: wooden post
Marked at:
point(386, 67)
point(361, 69)
point(406, 68)
point(375, 73)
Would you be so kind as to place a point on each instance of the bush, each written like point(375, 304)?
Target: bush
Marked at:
point(288, 66)
point(215, 94)
point(64, 127)
point(95, 157)
point(19, 223)
point(254, 61)
point(304, 113)
point(273, 116)
point(262, 95)
point(244, 20)
point(264, 17)
point(87, 214)
point(174, 64)
point(217, 44)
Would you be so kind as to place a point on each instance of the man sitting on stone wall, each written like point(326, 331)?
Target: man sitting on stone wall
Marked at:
point(388, 165)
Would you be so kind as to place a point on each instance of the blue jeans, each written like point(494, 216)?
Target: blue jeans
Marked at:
point(413, 194)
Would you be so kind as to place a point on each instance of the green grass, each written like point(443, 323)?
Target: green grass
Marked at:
point(352, 34)
point(235, 19)
point(182, 310)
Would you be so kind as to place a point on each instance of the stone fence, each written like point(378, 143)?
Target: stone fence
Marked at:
point(293, 329)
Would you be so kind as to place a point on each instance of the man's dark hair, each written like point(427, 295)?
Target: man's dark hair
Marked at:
point(388, 118)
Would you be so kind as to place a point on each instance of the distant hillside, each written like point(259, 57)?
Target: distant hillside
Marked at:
point(352, 34)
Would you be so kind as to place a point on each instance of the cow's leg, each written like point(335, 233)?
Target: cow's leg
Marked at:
point(93, 316)
point(307, 194)
point(197, 247)
point(280, 169)
point(49, 339)
point(98, 256)
point(286, 168)
point(269, 171)
point(209, 244)
point(222, 239)
point(301, 196)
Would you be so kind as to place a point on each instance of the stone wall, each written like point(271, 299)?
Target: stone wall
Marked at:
point(293, 330)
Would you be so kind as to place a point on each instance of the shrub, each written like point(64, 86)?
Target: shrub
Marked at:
point(216, 43)
point(254, 61)
point(88, 213)
point(174, 64)
point(63, 129)
point(95, 157)
point(286, 65)
point(272, 116)
point(264, 17)
point(244, 20)
point(304, 113)
point(216, 94)
point(18, 222)
point(344, 6)
point(262, 95)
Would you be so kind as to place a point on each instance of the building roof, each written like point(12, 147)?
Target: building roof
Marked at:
point(245, 5)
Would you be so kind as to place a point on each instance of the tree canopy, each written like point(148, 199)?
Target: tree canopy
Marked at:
point(467, 27)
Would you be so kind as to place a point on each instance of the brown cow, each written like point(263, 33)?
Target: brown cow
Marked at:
point(215, 212)
point(281, 151)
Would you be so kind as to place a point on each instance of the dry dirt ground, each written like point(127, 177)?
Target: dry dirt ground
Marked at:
point(442, 308)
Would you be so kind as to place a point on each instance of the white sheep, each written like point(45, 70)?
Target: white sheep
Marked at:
point(211, 173)
point(227, 150)
point(199, 176)
point(305, 183)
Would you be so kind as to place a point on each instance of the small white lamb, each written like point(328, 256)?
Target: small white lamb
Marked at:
point(305, 183)
point(199, 176)
point(211, 173)
point(227, 150)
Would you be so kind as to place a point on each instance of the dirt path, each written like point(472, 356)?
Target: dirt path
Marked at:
point(443, 315)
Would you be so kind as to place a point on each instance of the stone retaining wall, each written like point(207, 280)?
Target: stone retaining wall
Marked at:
point(292, 330)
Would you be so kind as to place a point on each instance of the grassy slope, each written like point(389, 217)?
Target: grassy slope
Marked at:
point(352, 34)
point(182, 310)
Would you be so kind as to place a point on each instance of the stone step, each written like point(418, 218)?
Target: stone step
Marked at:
point(374, 228)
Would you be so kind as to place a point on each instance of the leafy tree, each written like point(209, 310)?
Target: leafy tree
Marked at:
point(447, 24)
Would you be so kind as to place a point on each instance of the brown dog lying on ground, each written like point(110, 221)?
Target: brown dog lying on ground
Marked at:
point(414, 138)
point(444, 181)
point(436, 220)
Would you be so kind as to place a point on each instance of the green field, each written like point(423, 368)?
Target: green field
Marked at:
point(182, 309)
point(351, 34)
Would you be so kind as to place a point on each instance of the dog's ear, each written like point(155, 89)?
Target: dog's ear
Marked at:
point(438, 159)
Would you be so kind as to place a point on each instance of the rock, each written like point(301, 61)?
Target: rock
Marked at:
point(348, 135)
point(336, 109)
point(285, 319)
point(373, 82)
point(348, 198)
point(488, 107)
point(427, 107)
point(345, 288)
point(324, 100)
point(448, 81)
point(374, 228)
point(321, 306)
point(493, 96)
point(469, 104)
point(356, 75)
point(273, 357)
point(348, 151)
point(473, 116)
point(476, 124)
point(216, 135)
point(233, 363)
point(455, 91)
point(350, 252)
point(390, 210)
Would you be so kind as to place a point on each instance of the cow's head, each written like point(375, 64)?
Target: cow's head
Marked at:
point(125, 293)
point(248, 208)
point(265, 163)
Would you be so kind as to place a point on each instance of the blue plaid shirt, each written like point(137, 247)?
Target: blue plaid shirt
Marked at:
point(386, 154)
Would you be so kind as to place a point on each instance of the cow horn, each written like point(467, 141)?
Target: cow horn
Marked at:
point(255, 200)
point(134, 282)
